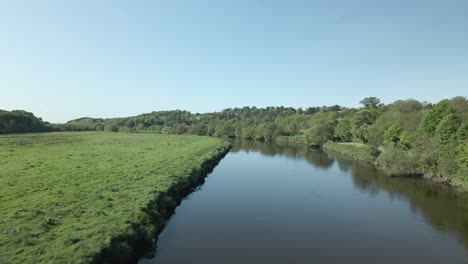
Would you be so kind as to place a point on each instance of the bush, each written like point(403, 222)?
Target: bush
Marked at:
point(392, 135)
point(397, 162)
point(319, 134)
point(447, 165)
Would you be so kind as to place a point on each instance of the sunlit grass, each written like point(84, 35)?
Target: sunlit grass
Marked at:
point(357, 151)
point(64, 196)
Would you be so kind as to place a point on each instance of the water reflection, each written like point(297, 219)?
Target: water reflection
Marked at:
point(277, 203)
point(314, 157)
point(441, 206)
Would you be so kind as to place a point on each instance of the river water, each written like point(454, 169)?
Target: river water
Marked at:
point(268, 203)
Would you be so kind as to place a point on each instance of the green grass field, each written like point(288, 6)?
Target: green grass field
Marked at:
point(357, 151)
point(65, 197)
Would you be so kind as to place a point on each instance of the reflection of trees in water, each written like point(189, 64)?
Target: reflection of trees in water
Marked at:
point(317, 158)
point(441, 206)
point(364, 175)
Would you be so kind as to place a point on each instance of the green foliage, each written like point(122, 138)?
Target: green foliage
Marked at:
point(226, 129)
point(462, 132)
point(392, 135)
point(360, 124)
point(247, 122)
point(447, 128)
point(319, 134)
point(343, 130)
point(427, 151)
point(447, 161)
point(321, 128)
point(405, 140)
point(370, 102)
point(268, 131)
point(432, 119)
point(357, 151)
point(248, 132)
point(462, 161)
point(407, 106)
point(111, 128)
point(398, 162)
point(421, 130)
point(21, 122)
point(199, 129)
point(65, 196)
point(406, 114)
point(460, 106)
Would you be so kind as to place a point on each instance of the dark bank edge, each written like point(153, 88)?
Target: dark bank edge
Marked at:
point(141, 241)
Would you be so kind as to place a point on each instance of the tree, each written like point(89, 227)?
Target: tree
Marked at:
point(392, 135)
point(405, 140)
point(179, 129)
point(18, 121)
point(370, 102)
point(460, 106)
point(447, 128)
point(462, 160)
point(360, 123)
point(407, 106)
point(397, 162)
point(248, 132)
point(462, 132)
point(199, 129)
point(343, 130)
point(111, 128)
point(432, 119)
point(319, 134)
point(267, 131)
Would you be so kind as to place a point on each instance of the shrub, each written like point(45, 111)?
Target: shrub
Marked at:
point(397, 162)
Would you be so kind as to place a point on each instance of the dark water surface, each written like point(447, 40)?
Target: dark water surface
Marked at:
point(267, 203)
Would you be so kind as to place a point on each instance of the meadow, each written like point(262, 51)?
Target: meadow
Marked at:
point(89, 197)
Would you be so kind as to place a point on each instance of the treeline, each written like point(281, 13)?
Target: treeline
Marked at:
point(247, 122)
point(415, 139)
point(407, 136)
point(18, 121)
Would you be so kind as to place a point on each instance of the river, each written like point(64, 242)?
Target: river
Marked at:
point(271, 203)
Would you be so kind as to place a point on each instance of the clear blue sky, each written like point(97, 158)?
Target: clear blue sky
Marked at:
point(68, 59)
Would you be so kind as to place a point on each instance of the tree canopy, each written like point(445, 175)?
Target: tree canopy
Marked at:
point(430, 137)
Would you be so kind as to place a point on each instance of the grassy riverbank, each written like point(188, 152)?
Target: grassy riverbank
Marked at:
point(93, 196)
point(357, 151)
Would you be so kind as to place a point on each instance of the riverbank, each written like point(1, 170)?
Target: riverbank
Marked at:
point(317, 201)
point(365, 153)
point(94, 197)
point(159, 210)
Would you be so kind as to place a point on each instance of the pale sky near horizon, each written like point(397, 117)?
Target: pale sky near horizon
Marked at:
point(67, 59)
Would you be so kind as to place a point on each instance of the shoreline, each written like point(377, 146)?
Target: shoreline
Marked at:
point(360, 154)
point(129, 248)
point(440, 180)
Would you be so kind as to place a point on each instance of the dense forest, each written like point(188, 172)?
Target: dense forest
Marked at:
point(405, 137)
point(18, 121)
